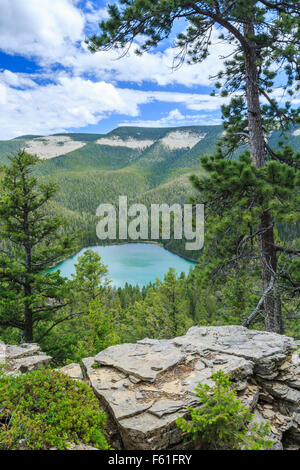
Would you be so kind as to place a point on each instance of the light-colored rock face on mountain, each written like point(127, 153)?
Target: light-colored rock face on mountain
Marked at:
point(23, 358)
point(148, 385)
point(129, 143)
point(173, 141)
point(181, 139)
point(53, 146)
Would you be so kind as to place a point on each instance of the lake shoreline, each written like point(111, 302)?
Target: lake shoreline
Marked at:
point(135, 263)
point(118, 243)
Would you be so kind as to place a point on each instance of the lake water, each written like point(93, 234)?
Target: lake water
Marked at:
point(135, 263)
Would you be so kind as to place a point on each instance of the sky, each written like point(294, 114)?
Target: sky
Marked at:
point(50, 82)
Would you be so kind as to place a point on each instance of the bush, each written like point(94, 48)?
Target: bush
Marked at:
point(222, 421)
point(49, 409)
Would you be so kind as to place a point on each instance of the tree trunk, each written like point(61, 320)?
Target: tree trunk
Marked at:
point(269, 267)
point(28, 313)
point(267, 252)
point(28, 330)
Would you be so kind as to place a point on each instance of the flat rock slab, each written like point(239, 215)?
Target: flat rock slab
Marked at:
point(72, 370)
point(23, 358)
point(24, 350)
point(257, 346)
point(133, 359)
point(2, 352)
point(148, 385)
point(28, 364)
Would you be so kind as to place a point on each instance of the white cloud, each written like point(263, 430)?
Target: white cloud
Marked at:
point(17, 80)
point(94, 15)
point(155, 67)
point(53, 31)
point(176, 115)
point(175, 118)
point(40, 28)
point(75, 102)
point(192, 101)
point(71, 102)
point(3, 94)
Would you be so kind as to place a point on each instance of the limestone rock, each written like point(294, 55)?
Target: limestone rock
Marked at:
point(72, 370)
point(2, 352)
point(148, 385)
point(24, 350)
point(283, 392)
point(128, 358)
point(166, 407)
point(28, 364)
point(23, 358)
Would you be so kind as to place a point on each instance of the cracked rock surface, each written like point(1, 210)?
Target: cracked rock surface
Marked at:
point(23, 358)
point(72, 370)
point(146, 386)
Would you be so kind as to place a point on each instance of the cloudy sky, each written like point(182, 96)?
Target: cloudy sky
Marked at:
point(50, 83)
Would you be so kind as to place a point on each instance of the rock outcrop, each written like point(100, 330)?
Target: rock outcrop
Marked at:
point(23, 358)
point(148, 385)
point(72, 370)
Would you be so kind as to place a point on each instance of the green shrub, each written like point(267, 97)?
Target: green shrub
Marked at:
point(49, 409)
point(222, 421)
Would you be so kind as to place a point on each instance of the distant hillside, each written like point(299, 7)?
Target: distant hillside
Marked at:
point(149, 165)
point(180, 146)
point(137, 139)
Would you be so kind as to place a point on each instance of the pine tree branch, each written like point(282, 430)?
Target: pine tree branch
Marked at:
point(49, 309)
point(70, 317)
point(219, 19)
point(288, 250)
point(282, 7)
point(273, 103)
point(288, 277)
point(10, 256)
point(12, 324)
point(256, 312)
point(7, 276)
point(271, 152)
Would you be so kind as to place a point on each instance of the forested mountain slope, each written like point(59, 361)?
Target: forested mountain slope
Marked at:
point(149, 165)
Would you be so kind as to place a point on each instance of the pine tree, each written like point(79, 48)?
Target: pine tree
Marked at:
point(164, 313)
point(29, 294)
point(265, 37)
point(172, 297)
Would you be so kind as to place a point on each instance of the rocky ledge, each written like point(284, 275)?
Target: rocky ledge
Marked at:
point(148, 385)
point(23, 358)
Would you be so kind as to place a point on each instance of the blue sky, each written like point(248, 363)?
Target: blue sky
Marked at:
point(50, 82)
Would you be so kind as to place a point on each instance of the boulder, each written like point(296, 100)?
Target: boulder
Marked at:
point(146, 386)
point(72, 370)
point(23, 358)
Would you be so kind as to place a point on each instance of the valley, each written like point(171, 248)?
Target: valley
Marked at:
point(149, 165)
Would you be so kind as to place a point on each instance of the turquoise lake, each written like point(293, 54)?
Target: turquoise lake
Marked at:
point(134, 263)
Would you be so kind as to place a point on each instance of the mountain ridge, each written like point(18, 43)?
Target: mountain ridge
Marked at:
point(151, 166)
